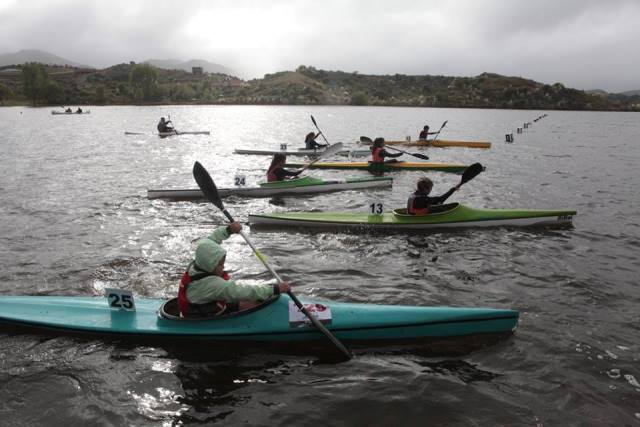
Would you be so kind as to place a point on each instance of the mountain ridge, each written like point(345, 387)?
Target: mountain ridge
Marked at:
point(36, 55)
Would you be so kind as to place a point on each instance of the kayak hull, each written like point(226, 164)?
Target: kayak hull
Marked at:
point(55, 113)
point(385, 167)
point(302, 152)
point(454, 215)
point(271, 323)
point(165, 134)
point(172, 133)
point(443, 143)
point(285, 188)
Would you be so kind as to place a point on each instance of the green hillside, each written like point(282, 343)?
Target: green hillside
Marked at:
point(138, 84)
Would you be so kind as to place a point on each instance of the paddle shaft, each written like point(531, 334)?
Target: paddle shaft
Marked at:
point(417, 155)
point(295, 300)
point(321, 134)
point(208, 187)
point(368, 140)
point(438, 133)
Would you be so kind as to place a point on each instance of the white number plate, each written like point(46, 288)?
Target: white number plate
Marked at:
point(120, 299)
point(375, 207)
point(240, 180)
point(319, 311)
point(283, 147)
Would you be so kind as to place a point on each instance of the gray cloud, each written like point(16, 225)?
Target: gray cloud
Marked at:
point(582, 43)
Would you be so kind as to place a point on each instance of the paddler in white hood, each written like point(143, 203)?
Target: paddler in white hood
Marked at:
point(207, 290)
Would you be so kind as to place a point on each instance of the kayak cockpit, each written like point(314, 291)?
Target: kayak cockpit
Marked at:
point(169, 310)
point(433, 210)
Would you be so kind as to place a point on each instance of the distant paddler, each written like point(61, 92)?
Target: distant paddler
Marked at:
point(424, 133)
point(310, 142)
point(163, 126)
point(378, 156)
point(79, 110)
point(277, 172)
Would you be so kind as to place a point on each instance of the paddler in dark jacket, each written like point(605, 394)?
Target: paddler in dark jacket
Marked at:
point(424, 133)
point(163, 126)
point(277, 172)
point(206, 289)
point(420, 202)
point(310, 141)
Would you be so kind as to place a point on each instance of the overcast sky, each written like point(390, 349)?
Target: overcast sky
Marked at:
point(585, 44)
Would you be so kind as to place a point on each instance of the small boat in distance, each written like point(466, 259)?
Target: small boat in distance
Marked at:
point(172, 133)
point(72, 113)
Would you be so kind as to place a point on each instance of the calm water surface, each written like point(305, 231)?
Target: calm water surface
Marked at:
point(75, 219)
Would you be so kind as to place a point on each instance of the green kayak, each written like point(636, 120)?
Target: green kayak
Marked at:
point(452, 215)
point(276, 320)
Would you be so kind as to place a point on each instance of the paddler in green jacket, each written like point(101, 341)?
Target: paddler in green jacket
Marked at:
point(207, 290)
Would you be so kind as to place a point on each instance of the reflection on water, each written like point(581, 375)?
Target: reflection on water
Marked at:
point(75, 219)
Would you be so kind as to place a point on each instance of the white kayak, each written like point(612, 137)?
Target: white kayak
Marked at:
point(305, 185)
point(301, 152)
point(172, 133)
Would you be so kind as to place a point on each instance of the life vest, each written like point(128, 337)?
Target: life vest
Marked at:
point(271, 176)
point(188, 308)
point(412, 210)
point(423, 134)
point(376, 155)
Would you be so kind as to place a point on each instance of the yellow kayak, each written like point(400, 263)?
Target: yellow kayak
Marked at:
point(441, 143)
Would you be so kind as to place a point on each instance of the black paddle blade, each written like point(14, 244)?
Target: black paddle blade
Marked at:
point(420, 156)
point(314, 121)
point(207, 185)
point(366, 140)
point(471, 172)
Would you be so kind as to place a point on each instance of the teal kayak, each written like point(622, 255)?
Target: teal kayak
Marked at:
point(451, 215)
point(305, 185)
point(275, 320)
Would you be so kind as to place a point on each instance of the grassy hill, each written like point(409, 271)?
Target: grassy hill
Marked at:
point(310, 86)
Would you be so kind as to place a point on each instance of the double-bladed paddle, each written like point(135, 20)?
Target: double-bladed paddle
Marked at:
point(471, 172)
point(210, 190)
point(438, 133)
point(316, 125)
point(329, 151)
point(367, 140)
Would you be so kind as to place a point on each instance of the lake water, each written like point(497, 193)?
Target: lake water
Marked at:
point(75, 220)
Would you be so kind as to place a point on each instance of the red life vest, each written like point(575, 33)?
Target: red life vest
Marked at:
point(271, 176)
point(375, 155)
point(412, 210)
point(183, 302)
